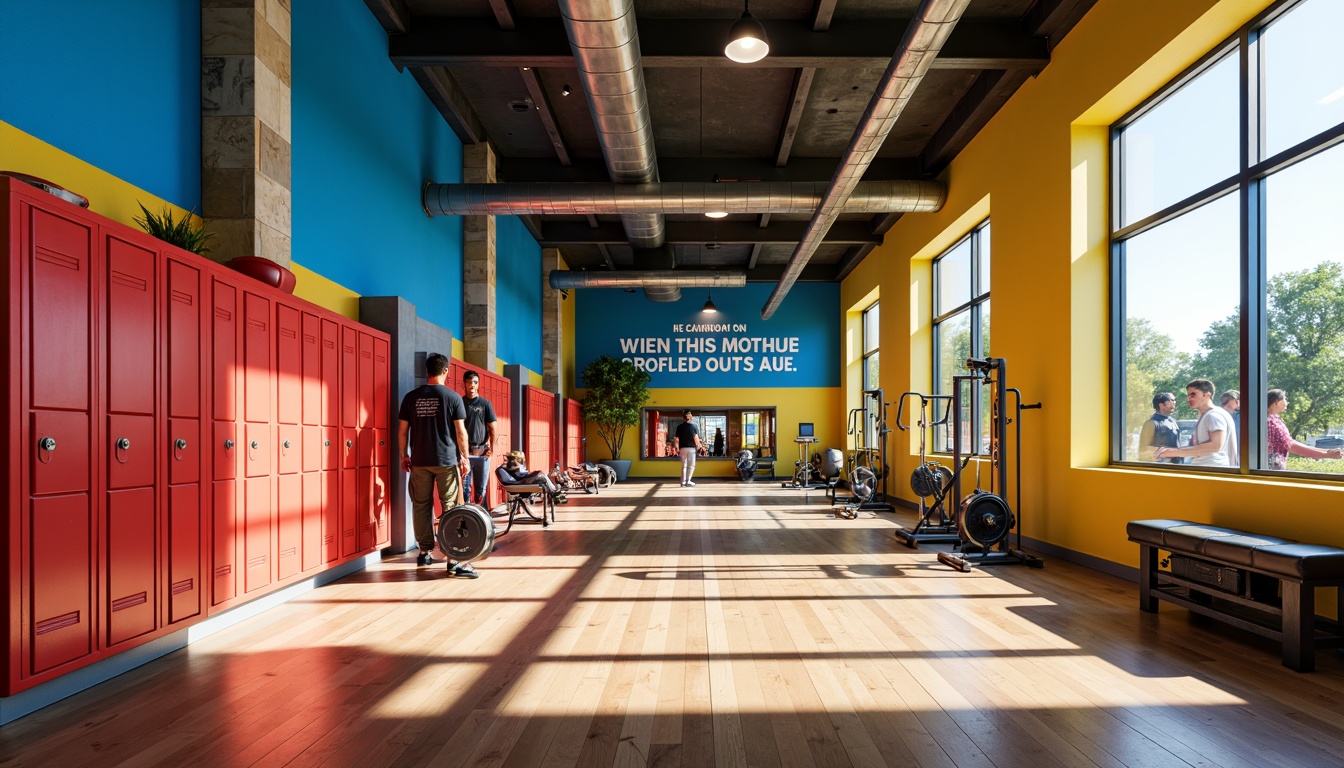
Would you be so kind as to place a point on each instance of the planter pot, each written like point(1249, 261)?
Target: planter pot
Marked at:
point(265, 270)
point(621, 466)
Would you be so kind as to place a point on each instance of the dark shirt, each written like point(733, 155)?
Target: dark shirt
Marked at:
point(431, 410)
point(686, 434)
point(1166, 433)
point(479, 413)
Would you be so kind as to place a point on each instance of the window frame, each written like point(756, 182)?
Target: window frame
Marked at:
point(1249, 184)
point(974, 305)
point(875, 348)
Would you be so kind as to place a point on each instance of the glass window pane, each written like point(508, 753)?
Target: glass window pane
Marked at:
point(1182, 315)
point(983, 351)
point(871, 368)
point(954, 278)
point(984, 259)
point(954, 346)
point(870, 325)
point(1305, 319)
point(1183, 144)
point(1304, 74)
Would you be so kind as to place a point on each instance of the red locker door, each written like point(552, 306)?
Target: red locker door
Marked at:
point(257, 532)
point(57, 603)
point(288, 365)
point(349, 395)
point(132, 531)
point(312, 449)
point(312, 520)
point(184, 547)
point(365, 380)
point(367, 514)
point(183, 326)
point(382, 505)
point(257, 380)
point(289, 498)
point(312, 370)
point(331, 374)
point(131, 574)
point(380, 383)
point(226, 449)
point(349, 521)
point(289, 458)
point(331, 515)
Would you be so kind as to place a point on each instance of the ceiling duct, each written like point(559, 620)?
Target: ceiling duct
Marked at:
point(660, 279)
point(920, 45)
point(871, 197)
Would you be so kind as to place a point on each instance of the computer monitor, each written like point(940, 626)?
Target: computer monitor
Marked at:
point(805, 429)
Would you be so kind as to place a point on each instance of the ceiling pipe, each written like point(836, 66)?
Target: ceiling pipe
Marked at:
point(561, 280)
point(920, 45)
point(870, 197)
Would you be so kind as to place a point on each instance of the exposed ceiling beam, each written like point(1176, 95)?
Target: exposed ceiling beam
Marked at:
point(547, 115)
point(504, 15)
point(802, 84)
point(562, 233)
point(678, 169)
point(812, 273)
point(532, 224)
point(698, 43)
point(391, 14)
point(446, 97)
point(852, 259)
point(606, 256)
point(990, 91)
point(755, 255)
point(1054, 18)
point(821, 15)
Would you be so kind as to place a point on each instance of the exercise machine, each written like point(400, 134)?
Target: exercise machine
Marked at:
point(985, 519)
point(805, 474)
point(929, 480)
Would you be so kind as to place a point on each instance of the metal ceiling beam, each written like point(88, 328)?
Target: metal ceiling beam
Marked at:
point(561, 233)
point(523, 170)
point(802, 85)
point(698, 43)
point(546, 113)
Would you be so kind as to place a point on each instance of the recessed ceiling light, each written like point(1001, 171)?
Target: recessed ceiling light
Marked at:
point(716, 214)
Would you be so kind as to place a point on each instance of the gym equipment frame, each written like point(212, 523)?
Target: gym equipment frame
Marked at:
point(930, 479)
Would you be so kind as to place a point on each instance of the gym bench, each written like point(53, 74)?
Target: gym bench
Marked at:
point(519, 497)
point(1262, 584)
point(765, 467)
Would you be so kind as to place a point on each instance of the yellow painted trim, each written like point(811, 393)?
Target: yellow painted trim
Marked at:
point(331, 295)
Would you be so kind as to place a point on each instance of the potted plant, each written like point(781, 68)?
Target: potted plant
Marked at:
point(617, 390)
point(174, 231)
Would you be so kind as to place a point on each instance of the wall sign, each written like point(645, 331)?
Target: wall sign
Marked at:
point(682, 347)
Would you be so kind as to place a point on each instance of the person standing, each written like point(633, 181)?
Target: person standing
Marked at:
point(1230, 401)
point(1208, 445)
point(688, 440)
point(1160, 430)
point(431, 416)
point(480, 424)
point(1279, 442)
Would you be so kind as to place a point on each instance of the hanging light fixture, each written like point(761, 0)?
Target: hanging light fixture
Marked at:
point(746, 39)
point(709, 308)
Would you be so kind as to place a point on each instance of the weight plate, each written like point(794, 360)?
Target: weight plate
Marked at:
point(984, 519)
point(466, 533)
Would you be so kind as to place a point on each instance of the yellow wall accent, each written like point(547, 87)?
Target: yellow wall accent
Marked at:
point(821, 406)
point(313, 287)
point(1039, 170)
point(107, 194)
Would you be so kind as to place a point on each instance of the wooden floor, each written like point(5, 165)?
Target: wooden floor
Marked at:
point(725, 625)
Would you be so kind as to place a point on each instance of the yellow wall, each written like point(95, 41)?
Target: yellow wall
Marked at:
point(1039, 170)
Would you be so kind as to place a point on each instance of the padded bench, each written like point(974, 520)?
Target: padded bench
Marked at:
point(1237, 577)
point(519, 497)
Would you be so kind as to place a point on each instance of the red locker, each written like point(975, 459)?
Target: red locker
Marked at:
point(130, 330)
point(382, 505)
point(184, 552)
point(289, 459)
point(380, 383)
point(184, 451)
point(332, 449)
point(224, 345)
point(288, 365)
point(312, 449)
point(131, 567)
point(349, 398)
point(313, 547)
point(184, 543)
point(257, 372)
point(539, 421)
point(365, 380)
point(226, 448)
point(289, 509)
point(331, 374)
point(311, 343)
point(61, 602)
point(184, 341)
point(256, 532)
point(367, 513)
point(349, 521)
point(331, 515)
point(59, 306)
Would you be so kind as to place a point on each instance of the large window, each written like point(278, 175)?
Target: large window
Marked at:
point(961, 330)
point(1228, 253)
point(723, 432)
point(871, 366)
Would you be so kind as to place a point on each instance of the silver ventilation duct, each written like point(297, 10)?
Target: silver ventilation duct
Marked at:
point(920, 45)
point(605, 42)
point(663, 279)
point(872, 197)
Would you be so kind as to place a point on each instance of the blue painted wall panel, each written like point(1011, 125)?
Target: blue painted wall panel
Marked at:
point(117, 85)
point(518, 282)
point(365, 140)
point(682, 347)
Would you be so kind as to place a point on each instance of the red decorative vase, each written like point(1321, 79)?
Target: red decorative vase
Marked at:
point(265, 270)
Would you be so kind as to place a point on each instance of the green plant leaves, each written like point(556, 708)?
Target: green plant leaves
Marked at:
point(179, 232)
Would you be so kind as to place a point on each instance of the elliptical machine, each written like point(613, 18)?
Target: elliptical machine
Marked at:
point(984, 518)
point(930, 479)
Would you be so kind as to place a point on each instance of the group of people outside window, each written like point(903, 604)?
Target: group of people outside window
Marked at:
point(1214, 441)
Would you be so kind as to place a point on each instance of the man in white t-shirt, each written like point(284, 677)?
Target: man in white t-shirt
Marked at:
point(1208, 445)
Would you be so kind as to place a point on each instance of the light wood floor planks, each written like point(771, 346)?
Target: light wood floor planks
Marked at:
point(727, 625)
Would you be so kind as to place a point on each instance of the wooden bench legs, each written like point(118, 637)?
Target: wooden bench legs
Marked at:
point(1299, 626)
point(1147, 578)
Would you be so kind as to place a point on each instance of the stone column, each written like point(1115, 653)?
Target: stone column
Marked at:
point(478, 264)
point(245, 128)
point(552, 313)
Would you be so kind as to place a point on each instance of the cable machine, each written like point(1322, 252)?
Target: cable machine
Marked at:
point(984, 518)
point(930, 479)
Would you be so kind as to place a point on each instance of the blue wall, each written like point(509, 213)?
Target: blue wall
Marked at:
point(518, 281)
point(117, 85)
point(365, 140)
point(681, 347)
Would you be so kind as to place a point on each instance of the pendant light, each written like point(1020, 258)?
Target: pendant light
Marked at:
point(747, 42)
point(709, 308)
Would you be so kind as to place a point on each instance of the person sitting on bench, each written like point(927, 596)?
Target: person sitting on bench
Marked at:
point(514, 472)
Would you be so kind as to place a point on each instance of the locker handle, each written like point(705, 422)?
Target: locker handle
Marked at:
point(46, 444)
point(285, 444)
point(123, 445)
point(179, 445)
point(382, 442)
point(228, 444)
point(348, 443)
point(255, 445)
point(326, 443)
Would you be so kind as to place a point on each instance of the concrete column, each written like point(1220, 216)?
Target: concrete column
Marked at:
point(479, 247)
point(552, 339)
point(245, 128)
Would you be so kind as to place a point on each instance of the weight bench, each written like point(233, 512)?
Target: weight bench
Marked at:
point(1236, 577)
point(519, 497)
point(765, 467)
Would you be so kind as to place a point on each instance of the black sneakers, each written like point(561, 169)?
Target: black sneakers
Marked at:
point(426, 557)
point(463, 571)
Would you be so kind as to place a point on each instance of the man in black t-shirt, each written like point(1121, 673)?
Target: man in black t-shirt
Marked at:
point(480, 438)
point(688, 441)
point(433, 415)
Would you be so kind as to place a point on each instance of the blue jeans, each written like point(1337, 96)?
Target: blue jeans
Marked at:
point(476, 480)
